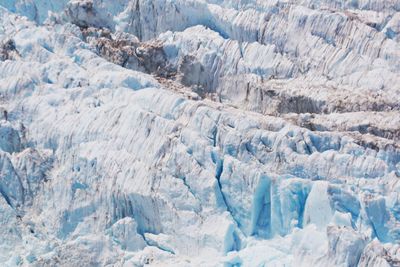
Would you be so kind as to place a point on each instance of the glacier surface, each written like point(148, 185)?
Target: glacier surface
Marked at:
point(200, 133)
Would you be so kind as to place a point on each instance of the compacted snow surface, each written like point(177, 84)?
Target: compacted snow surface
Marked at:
point(199, 133)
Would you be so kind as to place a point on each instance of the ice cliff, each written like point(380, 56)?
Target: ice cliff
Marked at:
point(200, 133)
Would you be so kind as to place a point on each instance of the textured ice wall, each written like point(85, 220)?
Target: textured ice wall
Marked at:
point(207, 133)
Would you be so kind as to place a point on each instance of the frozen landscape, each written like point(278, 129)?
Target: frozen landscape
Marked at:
point(200, 133)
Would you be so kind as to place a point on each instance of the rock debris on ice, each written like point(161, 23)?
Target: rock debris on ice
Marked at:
point(199, 133)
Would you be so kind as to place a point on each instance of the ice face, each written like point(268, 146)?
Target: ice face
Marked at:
point(199, 133)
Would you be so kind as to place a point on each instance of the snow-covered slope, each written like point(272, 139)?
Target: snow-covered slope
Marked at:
point(199, 133)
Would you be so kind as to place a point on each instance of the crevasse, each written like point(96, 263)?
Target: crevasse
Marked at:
point(199, 133)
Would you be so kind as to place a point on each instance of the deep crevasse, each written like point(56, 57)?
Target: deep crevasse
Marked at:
point(199, 133)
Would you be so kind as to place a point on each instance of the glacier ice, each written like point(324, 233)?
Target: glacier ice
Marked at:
point(199, 133)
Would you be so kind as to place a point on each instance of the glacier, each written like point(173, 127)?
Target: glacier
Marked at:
point(200, 133)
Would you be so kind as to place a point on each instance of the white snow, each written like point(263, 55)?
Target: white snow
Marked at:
point(244, 133)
